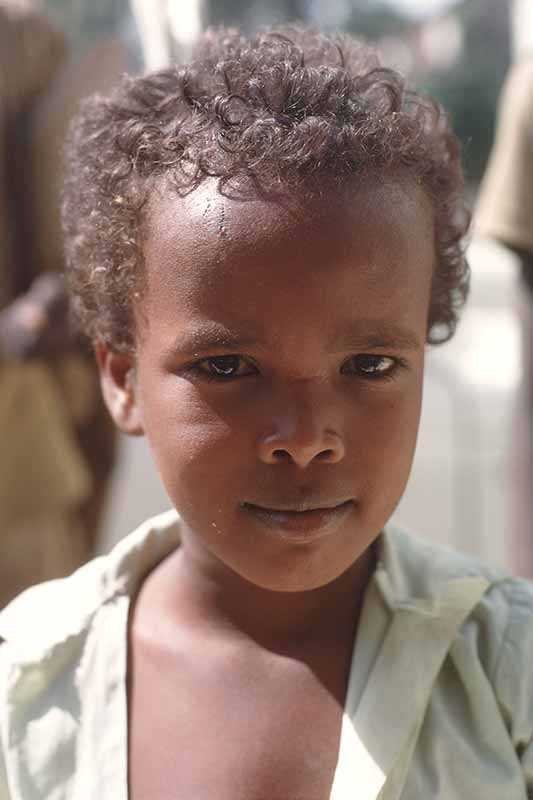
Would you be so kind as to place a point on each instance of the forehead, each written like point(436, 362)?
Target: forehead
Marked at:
point(210, 254)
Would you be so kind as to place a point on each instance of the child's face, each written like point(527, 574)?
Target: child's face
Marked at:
point(279, 372)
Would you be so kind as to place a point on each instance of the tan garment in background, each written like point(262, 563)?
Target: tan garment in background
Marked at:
point(57, 439)
point(439, 701)
point(96, 68)
point(44, 479)
point(31, 50)
point(504, 209)
point(504, 212)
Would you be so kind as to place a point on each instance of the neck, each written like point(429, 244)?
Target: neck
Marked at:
point(192, 589)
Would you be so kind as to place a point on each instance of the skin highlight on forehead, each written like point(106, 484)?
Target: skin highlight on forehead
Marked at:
point(212, 290)
point(208, 224)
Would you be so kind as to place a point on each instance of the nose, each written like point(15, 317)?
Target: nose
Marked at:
point(303, 434)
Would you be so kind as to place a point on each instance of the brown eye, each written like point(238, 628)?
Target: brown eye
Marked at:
point(369, 365)
point(225, 367)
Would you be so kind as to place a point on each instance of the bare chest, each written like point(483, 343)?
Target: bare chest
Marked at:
point(230, 730)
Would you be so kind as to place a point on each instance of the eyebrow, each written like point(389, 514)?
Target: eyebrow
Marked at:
point(370, 334)
point(360, 335)
point(212, 336)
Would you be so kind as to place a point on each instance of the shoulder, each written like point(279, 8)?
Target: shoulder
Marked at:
point(63, 654)
point(418, 567)
point(420, 571)
point(48, 614)
point(497, 631)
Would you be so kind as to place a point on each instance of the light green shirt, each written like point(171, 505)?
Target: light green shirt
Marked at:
point(439, 702)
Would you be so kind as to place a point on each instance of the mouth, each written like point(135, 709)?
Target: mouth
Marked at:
point(302, 522)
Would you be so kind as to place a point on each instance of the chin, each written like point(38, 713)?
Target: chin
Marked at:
point(302, 575)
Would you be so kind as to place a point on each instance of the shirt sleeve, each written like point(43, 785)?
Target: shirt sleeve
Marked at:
point(513, 678)
point(4, 790)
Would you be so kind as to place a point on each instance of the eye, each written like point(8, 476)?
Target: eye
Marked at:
point(225, 367)
point(371, 366)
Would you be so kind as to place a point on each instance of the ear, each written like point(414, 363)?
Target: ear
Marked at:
point(117, 379)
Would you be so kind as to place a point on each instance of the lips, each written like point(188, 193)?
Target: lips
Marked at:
point(302, 521)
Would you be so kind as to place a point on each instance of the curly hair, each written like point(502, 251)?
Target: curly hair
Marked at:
point(288, 108)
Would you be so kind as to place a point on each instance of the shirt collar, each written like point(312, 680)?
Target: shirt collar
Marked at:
point(45, 616)
point(408, 574)
point(413, 573)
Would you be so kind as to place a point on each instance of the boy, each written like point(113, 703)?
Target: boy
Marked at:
point(259, 246)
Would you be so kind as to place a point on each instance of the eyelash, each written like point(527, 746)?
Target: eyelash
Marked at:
point(201, 368)
point(372, 361)
point(198, 369)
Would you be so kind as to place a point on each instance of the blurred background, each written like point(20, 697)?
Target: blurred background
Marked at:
point(471, 481)
point(459, 51)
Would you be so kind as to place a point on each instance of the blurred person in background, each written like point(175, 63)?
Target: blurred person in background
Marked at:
point(168, 30)
point(505, 213)
point(57, 440)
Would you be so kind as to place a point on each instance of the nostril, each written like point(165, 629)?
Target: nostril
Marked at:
point(300, 451)
point(280, 455)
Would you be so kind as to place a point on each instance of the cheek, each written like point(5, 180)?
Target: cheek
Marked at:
point(192, 442)
point(390, 441)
